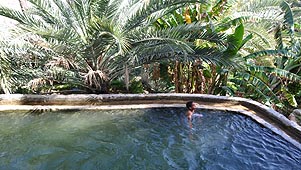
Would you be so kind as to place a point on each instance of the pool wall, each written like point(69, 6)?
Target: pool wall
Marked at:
point(264, 115)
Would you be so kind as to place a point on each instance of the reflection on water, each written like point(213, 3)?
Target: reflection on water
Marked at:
point(140, 139)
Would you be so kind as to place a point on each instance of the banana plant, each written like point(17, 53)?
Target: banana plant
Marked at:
point(190, 75)
point(270, 83)
point(234, 43)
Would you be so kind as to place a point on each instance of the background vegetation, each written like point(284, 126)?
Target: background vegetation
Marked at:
point(223, 47)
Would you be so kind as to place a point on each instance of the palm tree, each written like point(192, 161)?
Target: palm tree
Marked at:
point(94, 39)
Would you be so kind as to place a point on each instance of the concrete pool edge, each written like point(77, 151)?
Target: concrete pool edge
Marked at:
point(262, 114)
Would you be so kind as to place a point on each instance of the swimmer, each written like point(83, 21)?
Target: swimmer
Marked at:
point(191, 106)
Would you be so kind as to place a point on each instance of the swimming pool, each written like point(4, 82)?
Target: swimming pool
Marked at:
point(157, 138)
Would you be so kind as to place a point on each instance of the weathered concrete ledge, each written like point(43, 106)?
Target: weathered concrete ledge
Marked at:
point(264, 115)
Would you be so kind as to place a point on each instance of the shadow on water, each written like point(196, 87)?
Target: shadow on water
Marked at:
point(39, 111)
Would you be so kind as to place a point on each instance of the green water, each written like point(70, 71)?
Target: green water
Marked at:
point(140, 139)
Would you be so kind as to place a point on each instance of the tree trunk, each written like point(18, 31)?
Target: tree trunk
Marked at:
point(127, 78)
point(23, 5)
point(176, 77)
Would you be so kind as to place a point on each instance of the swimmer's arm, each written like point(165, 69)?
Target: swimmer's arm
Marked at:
point(198, 115)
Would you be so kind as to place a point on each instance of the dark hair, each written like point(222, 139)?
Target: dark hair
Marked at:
point(189, 104)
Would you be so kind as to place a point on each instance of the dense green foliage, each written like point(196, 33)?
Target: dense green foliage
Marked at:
point(237, 48)
point(87, 43)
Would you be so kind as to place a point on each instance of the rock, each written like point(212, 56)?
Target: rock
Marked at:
point(295, 116)
point(292, 117)
point(297, 112)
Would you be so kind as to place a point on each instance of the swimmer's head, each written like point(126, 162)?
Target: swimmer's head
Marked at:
point(191, 105)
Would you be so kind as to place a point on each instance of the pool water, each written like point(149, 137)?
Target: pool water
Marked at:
point(141, 139)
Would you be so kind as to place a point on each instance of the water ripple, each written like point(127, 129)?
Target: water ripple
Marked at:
point(141, 139)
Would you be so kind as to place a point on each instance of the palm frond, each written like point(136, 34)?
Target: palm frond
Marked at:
point(20, 17)
point(262, 39)
point(171, 37)
point(45, 10)
point(142, 12)
point(157, 52)
point(95, 78)
point(212, 56)
point(259, 6)
point(267, 53)
point(106, 8)
point(288, 17)
point(5, 73)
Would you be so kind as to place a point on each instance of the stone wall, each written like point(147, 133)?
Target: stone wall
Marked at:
point(262, 114)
